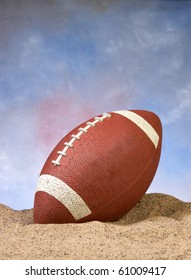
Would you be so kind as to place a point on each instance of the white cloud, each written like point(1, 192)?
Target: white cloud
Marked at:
point(149, 36)
point(8, 171)
point(182, 104)
point(32, 48)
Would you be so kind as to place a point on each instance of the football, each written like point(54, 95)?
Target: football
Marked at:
point(99, 170)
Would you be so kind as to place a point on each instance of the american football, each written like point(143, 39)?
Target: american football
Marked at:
point(99, 170)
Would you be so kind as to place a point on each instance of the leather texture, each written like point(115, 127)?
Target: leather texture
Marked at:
point(110, 168)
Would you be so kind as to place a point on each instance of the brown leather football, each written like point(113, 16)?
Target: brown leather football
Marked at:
point(99, 170)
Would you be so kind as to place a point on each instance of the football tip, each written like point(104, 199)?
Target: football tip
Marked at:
point(148, 121)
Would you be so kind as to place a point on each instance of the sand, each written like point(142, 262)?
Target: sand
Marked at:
point(158, 227)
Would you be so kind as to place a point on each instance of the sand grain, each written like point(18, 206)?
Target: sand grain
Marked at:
point(159, 227)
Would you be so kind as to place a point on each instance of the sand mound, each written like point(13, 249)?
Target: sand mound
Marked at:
point(159, 227)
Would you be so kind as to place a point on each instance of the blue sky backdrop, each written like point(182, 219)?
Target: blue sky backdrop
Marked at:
point(62, 62)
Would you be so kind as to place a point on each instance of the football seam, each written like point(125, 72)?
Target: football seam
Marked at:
point(77, 136)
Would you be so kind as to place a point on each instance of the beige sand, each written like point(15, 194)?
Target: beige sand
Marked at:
point(159, 227)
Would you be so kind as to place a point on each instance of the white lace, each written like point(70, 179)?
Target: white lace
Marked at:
point(77, 136)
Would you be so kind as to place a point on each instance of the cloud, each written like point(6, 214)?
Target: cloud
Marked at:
point(182, 105)
point(31, 50)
